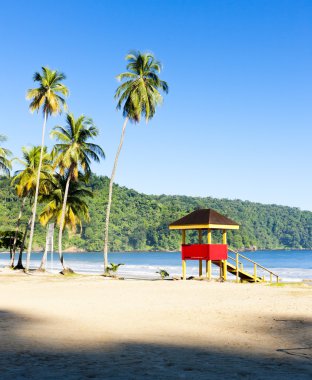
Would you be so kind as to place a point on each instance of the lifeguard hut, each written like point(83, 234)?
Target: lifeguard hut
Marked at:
point(210, 220)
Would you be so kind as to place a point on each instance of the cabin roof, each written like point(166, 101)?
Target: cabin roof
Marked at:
point(204, 219)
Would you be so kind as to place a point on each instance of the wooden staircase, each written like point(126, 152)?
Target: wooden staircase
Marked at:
point(237, 269)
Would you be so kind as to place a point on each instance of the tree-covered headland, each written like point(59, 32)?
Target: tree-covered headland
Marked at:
point(140, 221)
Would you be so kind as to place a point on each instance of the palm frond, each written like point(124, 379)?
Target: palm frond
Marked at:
point(139, 94)
point(74, 152)
point(46, 96)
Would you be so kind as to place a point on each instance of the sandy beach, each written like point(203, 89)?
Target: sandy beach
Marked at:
point(88, 327)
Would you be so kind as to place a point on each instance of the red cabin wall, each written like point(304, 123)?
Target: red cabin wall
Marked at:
point(204, 252)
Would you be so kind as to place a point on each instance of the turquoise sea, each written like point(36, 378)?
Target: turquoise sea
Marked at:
point(289, 265)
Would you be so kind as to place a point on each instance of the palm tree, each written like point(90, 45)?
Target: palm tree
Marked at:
point(25, 181)
point(5, 164)
point(138, 95)
point(74, 153)
point(76, 207)
point(48, 98)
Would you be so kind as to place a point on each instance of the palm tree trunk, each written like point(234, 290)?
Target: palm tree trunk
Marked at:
point(111, 193)
point(63, 220)
point(44, 259)
point(19, 264)
point(16, 232)
point(36, 195)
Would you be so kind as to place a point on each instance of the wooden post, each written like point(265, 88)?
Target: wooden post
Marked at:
point(184, 269)
point(224, 237)
point(208, 269)
point(255, 272)
point(209, 236)
point(237, 277)
point(225, 270)
point(183, 261)
point(224, 261)
point(200, 236)
point(208, 262)
point(200, 266)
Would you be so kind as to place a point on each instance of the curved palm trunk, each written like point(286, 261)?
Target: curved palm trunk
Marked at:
point(111, 182)
point(36, 195)
point(16, 232)
point(19, 264)
point(62, 222)
point(44, 259)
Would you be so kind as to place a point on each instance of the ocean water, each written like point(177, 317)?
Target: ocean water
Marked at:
point(289, 265)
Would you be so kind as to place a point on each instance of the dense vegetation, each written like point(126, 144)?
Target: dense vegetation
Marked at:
point(140, 222)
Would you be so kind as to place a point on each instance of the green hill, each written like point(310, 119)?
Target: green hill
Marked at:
point(140, 222)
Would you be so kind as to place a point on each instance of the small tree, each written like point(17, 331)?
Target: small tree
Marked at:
point(112, 269)
point(163, 273)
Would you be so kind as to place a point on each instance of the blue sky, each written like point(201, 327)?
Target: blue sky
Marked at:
point(237, 122)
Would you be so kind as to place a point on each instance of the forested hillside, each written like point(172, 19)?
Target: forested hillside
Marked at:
point(140, 222)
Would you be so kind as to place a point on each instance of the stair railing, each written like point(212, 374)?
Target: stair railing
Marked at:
point(240, 264)
point(255, 264)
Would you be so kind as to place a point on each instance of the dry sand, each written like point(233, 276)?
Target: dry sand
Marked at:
point(85, 327)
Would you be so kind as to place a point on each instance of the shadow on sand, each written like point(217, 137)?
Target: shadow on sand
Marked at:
point(24, 357)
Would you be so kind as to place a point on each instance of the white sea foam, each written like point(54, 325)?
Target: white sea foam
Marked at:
point(94, 265)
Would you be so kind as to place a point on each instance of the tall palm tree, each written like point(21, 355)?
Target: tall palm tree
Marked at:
point(25, 180)
point(74, 153)
point(76, 207)
point(49, 97)
point(5, 163)
point(138, 96)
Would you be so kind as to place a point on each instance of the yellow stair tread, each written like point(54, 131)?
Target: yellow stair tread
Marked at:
point(242, 274)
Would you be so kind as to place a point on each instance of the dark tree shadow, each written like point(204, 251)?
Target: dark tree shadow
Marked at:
point(301, 352)
point(29, 358)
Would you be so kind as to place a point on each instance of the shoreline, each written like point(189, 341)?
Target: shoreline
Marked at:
point(289, 266)
point(164, 251)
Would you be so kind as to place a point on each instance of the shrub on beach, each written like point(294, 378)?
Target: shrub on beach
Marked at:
point(163, 273)
point(112, 269)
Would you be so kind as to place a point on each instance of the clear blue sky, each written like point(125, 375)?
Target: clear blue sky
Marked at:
point(237, 122)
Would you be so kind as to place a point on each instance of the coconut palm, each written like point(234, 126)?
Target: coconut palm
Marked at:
point(25, 180)
point(138, 96)
point(49, 97)
point(5, 163)
point(76, 207)
point(74, 153)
